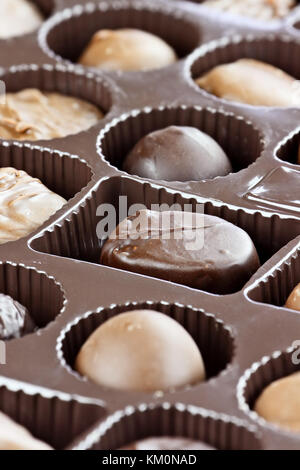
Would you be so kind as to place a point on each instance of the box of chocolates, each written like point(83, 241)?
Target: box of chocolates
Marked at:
point(149, 224)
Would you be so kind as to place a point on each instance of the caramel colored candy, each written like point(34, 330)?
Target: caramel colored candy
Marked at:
point(279, 403)
point(252, 82)
point(15, 437)
point(127, 49)
point(141, 350)
point(33, 115)
point(293, 300)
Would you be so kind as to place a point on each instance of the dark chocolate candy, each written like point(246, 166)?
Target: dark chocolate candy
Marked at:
point(177, 154)
point(200, 251)
point(167, 443)
point(15, 320)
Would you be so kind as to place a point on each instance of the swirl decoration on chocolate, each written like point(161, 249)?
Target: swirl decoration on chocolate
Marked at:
point(25, 204)
point(15, 320)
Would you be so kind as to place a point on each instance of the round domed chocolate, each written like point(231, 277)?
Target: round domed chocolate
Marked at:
point(128, 50)
point(141, 350)
point(177, 153)
point(167, 443)
point(279, 403)
point(197, 250)
point(15, 320)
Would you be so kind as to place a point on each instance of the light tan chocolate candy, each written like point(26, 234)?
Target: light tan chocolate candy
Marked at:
point(279, 403)
point(251, 82)
point(127, 49)
point(141, 350)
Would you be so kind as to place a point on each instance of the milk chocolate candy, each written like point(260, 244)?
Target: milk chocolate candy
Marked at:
point(279, 403)
point(128, 50)
point(167, 443)
point(15, 320)
point(251, 82)
point(200, 251)
point(177, 153)
point(16, 437)
point(141, 350)
point(18, 17)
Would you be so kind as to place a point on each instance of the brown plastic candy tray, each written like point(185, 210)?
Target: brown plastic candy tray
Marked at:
point(245, 337)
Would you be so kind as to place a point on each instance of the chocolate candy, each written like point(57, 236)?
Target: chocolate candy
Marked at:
point(200, 251)
point(18, 17)
point(167, 443)
point(25, 203)
point(279, 403)
point(177, 153)
point(260, 9)
point(15, 320)
point(15, 437)
point(252, 82)
point(127, 49)
point(141, 350)
point(293, 300)
point(33, 115)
